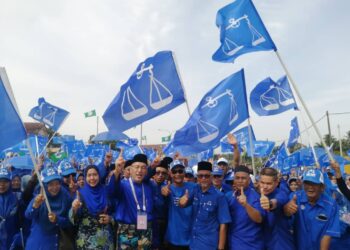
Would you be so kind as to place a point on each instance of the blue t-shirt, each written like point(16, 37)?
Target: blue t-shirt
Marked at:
point(210, 209)
point(243, 233)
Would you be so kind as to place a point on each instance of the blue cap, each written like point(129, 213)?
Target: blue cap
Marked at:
point(65, 168)
point(314, 176)
point(189, 170)
point(50, 174)
point(5, 174)
point(217, 171)
point(177, 163)
point(230, 177)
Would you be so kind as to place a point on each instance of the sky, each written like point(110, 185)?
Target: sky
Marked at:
point(77, 54)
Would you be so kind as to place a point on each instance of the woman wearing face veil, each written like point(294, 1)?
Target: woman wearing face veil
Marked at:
point(45, 230)
point(90, 214)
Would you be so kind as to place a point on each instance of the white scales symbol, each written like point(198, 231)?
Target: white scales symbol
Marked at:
point(206, 131)
point(49, 118)
point(270, 103)
point(230, 47)
point(132, 100)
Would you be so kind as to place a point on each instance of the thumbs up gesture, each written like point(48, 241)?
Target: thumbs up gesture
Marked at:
point(166, 189)
point(184, 199)
point(39, 199)
point(242, 199)
point(76, 203)
point(291, 207)
point(264, 200)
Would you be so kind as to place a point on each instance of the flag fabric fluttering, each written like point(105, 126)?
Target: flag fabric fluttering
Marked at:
point(241, 31)
point(90, 113)
point(271, 98)
point(261, 148)
point(294, 133)
point(129, 150)
point(50, 115)
point(12, 130)
point(242, 136)
point(153, 89)
point(221, 110)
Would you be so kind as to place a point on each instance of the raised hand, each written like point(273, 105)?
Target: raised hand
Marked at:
point(264, 200)
point(242, 199)
point(76, 203)
point(336, 169)
point(52, 217)
point(72, 186)
point(291, 207)
point(39, 199)
point(156, 160)
point(184, 199)
point(232, 139)
point(119, 164)
point(166, 189)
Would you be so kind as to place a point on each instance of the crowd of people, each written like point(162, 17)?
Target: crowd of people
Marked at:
point(165, 204)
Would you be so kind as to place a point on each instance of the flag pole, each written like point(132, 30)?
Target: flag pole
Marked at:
point(251, 145)
point(96, 124)
point(141, 134)
point(305, 107)
point(340, 142)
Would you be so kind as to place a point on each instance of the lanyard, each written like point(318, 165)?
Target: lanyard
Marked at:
point(135, 198)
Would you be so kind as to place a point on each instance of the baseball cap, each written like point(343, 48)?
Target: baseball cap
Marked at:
point(65, 168)
point(189, 170)
point(177, 163)
point(222, 160)
point(5, 174)
point(314, 176)
point(50, 174)
point(217, 171)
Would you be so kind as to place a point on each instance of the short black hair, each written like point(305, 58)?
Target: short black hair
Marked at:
point(269, 172)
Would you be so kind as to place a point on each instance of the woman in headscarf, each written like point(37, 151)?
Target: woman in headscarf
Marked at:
point(8, 210)
point(45, 230)
point(90, 212)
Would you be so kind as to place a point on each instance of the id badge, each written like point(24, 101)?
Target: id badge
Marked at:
point(141, 220)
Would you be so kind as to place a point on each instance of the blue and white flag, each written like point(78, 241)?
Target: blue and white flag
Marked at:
point(242, 136)
point(294, 133)
point(261, 148)
point(272, 98)
point(50, 115)
point(281, 154)
point(129, 150)
point(150, 152)
point(153, 89)
point(221, 110)
point(62, 139)
point(241, 31)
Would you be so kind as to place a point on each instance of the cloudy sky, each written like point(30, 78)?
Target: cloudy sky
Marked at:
point(77, 54)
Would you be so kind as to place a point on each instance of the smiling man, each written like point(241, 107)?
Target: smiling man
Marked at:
point(316, 217)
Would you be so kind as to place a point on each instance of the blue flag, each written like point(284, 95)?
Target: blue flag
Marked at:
point(48, 114)
point(241, 31)
point(221, 110)
point(11, 127)
point(242, 136)
point(62, 139)
point(294, 133)
point(129, 150)
point(153, 89)
point(271, 98)
point(150, 152)
point(261, 148)
point(281, 154)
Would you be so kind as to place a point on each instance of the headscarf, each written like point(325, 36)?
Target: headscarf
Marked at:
point(8, 203)
point(95, 198)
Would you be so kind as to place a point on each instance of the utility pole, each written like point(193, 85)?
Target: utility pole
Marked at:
point(329, 129)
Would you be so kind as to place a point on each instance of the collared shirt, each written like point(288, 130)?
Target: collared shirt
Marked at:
point(160, 204)
point(179, 219)
point(244, 233)
point(276, 225)
point(225, 188)
point(210, 209)
point(313, 222)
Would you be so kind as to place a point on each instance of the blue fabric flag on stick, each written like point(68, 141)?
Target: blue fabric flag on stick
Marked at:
point(50, 115)
point(261, 148)
point(242, 136)
point(12, 130)
point(129, 150)
point(294, 133)
point(241, 31)
point(153, 89)
point(221, 110)
point(271, 98)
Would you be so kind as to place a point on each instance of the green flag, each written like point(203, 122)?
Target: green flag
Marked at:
point(58, 156)
point(90, 113)
point(144, 138)
point(166, 138)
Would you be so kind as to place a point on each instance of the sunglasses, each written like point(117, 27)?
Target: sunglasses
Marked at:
point(217, 176)
point(203, 176)
point(189, 176)
point(177, 171)
point(161, 173)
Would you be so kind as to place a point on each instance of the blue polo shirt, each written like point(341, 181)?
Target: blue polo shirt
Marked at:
point(210, 209)
point(311, 223)
point(179, 219)
point(243, 233)
point(277, 234)
point(225, 188)
point(160, 204)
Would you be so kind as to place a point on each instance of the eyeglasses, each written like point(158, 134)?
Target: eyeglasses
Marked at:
point(217, 176)
point(177, 171)
point(189, 175)
point(203, 176)
point(140, 167)
point(161, 173)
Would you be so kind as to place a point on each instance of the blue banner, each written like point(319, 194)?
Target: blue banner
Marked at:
point(294, 133)
point(261, 148)
point(50, 115)
point(241, 31)
point(242, 136)
point(153, 89)
point(12, 130)
point(272, 98)
point(129, 150)
point(221, 110)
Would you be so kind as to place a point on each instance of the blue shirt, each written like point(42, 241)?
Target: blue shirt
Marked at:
point(311, 223)
point(276, 225)
point(179, 219)
point(243, 233)
point(225, 188)
point(126, 211)
point(160, 204)
point(210, 209)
